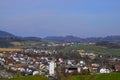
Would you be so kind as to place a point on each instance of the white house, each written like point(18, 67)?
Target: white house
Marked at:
point(104, 70)
point(36, 72)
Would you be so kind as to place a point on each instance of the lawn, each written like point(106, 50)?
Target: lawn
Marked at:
point(36, 77)
point(111, 76)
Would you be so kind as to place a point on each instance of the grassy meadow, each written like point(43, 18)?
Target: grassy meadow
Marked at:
point(94, 49)
point(111, 76)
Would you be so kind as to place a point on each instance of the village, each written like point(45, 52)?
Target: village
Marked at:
point(44, 62)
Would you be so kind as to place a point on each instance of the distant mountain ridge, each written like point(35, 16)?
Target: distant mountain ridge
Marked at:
point(6, 34)
point(77, 39)
point(11, 37)
point(10, 40)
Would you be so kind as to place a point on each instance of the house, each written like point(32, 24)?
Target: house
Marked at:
point(71, 70)
point(81, 52)
point(82, 63)
point(117, 67)
point(77, 70)
point(36, 72)
point(85, 70)
point(91, 55)
point(104, 70)
point(71, 62)
point(94, 68)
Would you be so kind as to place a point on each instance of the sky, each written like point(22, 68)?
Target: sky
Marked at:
point(41, 18)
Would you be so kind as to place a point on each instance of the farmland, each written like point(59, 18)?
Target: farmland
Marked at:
point(9, 49)
point(94, 49)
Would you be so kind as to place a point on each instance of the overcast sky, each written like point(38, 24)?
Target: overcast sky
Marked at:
point(40, 18)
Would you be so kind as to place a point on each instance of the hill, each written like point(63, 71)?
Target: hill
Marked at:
point(78, 39)
point(10, 40)
point(5, 34)
point(69, 38)
point(18, 41)
point(64, 39)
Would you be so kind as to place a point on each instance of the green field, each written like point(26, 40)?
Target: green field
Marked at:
point(36, 77)
point(111, 76)
point(94, 49)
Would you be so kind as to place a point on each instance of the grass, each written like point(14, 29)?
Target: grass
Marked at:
point(111, 76)
point(94, 49)
point(36, 77)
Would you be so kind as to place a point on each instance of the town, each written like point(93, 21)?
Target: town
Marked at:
point(55, 63)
